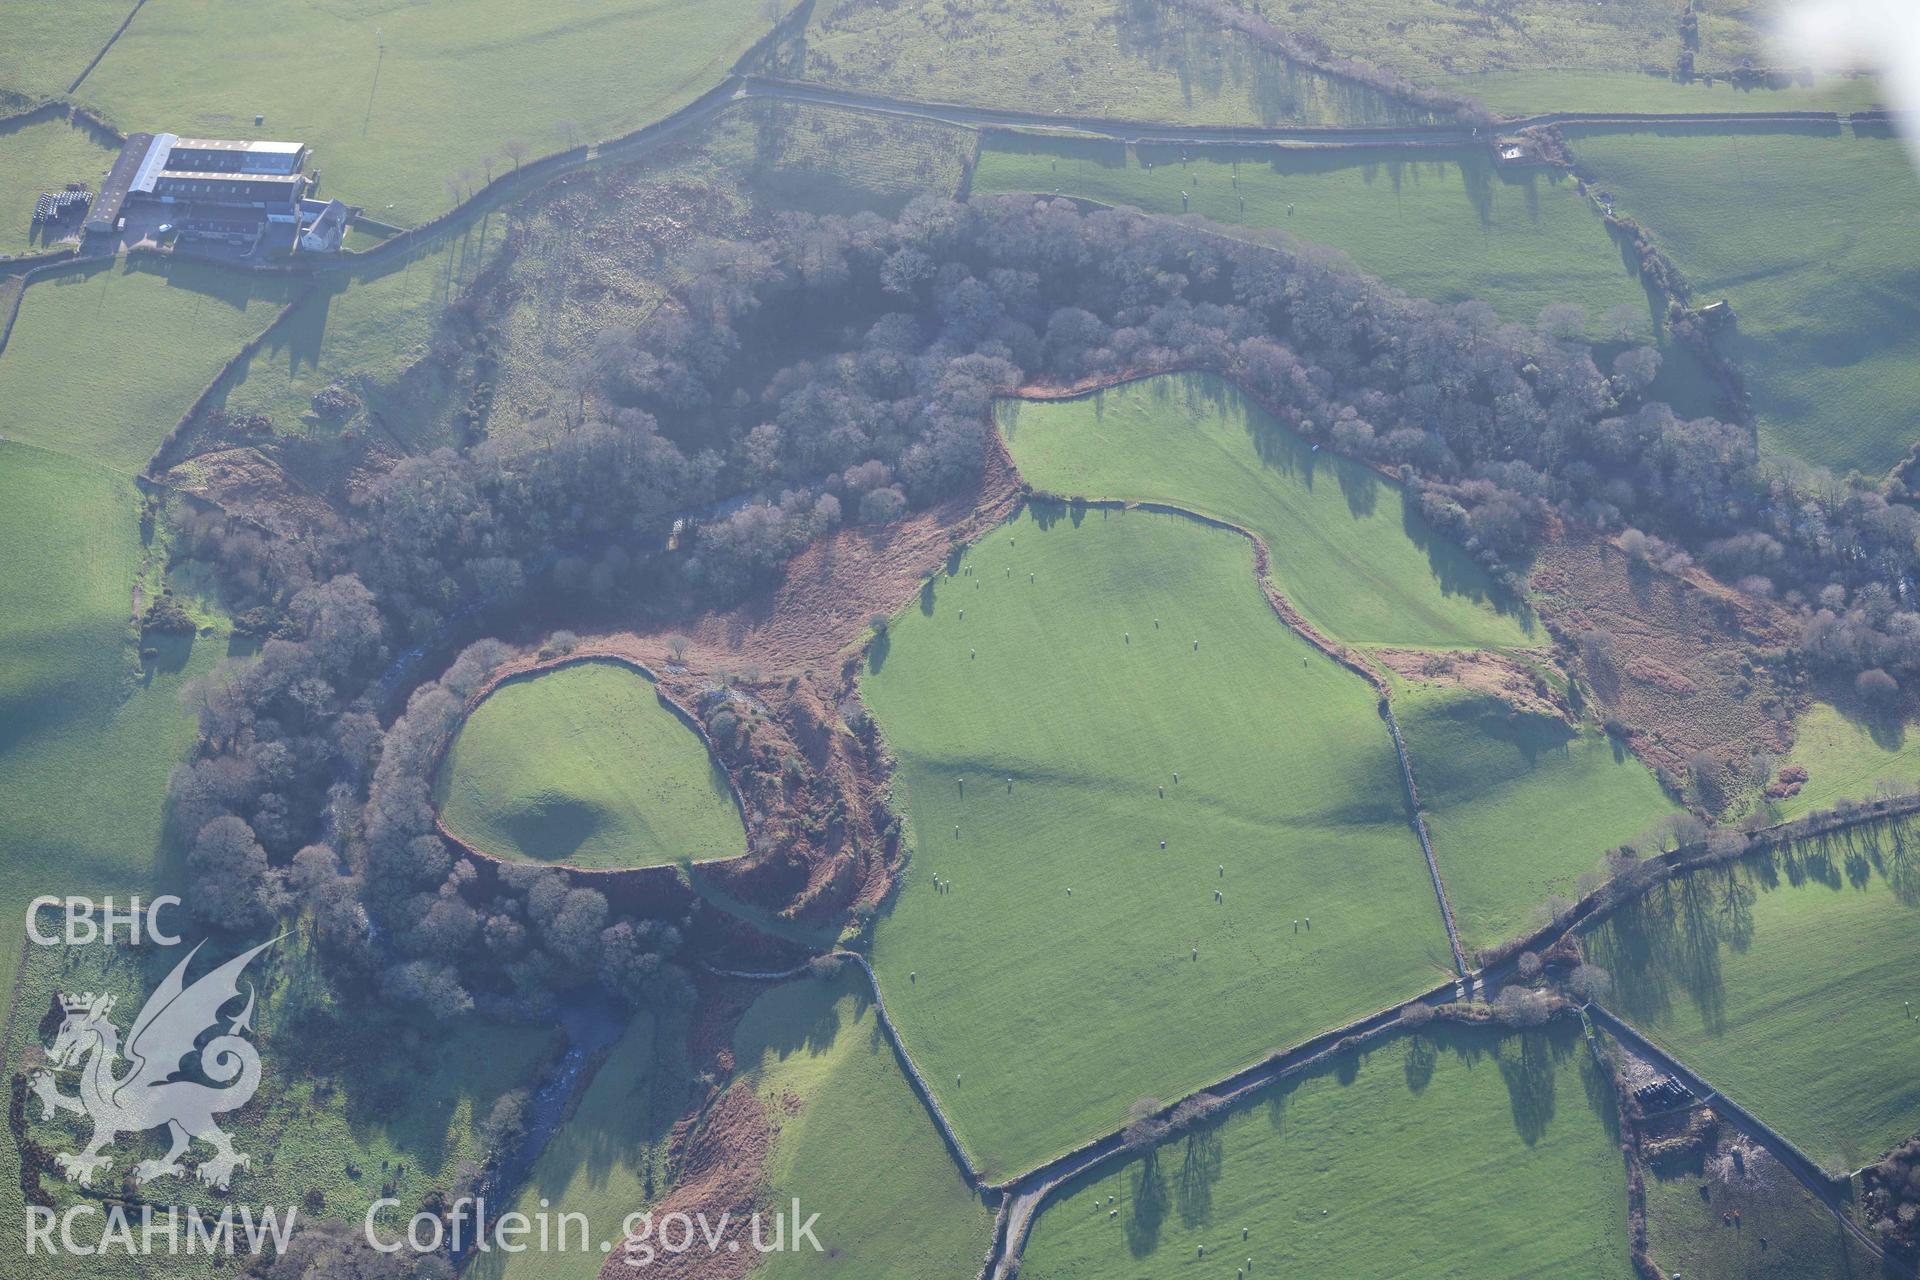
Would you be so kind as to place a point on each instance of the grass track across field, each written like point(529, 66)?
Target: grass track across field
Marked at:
point(584, 766)
point(1457, 1153)
point(1781, 980)
point(1814, 236)
point(1346, 548)
point(852, 1142)
point(1441, 224)
point(1039, 1017)
point(1518, 806)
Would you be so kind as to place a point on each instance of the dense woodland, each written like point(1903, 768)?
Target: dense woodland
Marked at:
point(842, 369)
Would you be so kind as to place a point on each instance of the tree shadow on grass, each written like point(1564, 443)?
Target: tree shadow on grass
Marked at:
point(1202, 1158)
point(1147, 1206)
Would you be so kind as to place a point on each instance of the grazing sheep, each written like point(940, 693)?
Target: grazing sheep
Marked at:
point(913, 975)
point(1163, 844)
point(1218, 896)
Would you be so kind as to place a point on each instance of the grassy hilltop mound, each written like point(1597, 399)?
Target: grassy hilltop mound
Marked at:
point(584, 767)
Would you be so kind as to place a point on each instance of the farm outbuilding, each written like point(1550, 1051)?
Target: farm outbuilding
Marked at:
point(127, 166)
point(216, 155)
point(323, 225)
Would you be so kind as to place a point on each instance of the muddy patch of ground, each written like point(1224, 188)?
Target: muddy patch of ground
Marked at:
point(1476, 671)
point(1682, 662)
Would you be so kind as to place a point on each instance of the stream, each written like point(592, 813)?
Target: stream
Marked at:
point(590, 1028)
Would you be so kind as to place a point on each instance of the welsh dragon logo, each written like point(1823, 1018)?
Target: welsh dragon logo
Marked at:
point(148, 1095)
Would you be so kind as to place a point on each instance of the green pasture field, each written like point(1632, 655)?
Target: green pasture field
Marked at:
point(88, 730)
point(609, 1159)
point(408, 107)
point(48, 46)
point(1782, 980)
point(1441, 224)
point(1804, 1241)
point(105, 358)
point(1068, 697)
point(370, 329)
point(1074, 57)
point(1347, 550)
point(1518, 806)
point(1846, 758)
point(859, 1149)
point(1524, 93)
point(1454, 1153)
point(584, 766)
point(43, 156)
point(1815, 239)
point(795, 155)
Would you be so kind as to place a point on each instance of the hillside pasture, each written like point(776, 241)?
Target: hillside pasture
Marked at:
point(105, 357)
point(1347, 549)
point(1783, 980)
point(1814, 237)
point(1847, 756)
point(1453, 1153)
point(40, 156)
point(410, 107)
point(1085, 686)
point(1443, 224)
point(1070, 57)
point(1426, 42)
point(583, 766)
point(851, 1142)
point(370, 330)
point(1518, 805)
point(48, 46)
